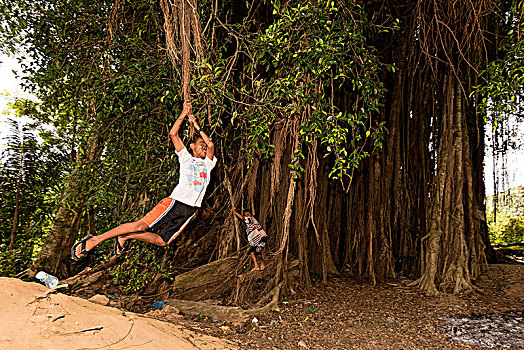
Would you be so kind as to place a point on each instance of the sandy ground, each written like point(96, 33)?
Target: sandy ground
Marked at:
point(33, 318)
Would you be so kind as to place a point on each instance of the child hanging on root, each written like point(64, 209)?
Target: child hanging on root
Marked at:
point(168, 218)
point(256, 237)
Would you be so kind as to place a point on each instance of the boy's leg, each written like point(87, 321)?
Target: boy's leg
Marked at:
point(259, 250)
point(130, 227)
point(256, 268)
point(262, 264)
point(173, 222)
point(177, 219)
point(149, 237)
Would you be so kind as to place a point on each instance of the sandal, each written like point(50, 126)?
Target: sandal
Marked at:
point(118, 249)
point(83, 250)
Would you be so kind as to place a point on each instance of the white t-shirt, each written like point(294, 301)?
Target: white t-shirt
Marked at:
point(255, 232)
point(194, 178)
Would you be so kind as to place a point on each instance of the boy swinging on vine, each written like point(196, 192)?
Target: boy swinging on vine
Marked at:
point(169, 217)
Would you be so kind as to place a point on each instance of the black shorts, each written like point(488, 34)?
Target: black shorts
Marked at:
point(169, 218)
point(260, 247)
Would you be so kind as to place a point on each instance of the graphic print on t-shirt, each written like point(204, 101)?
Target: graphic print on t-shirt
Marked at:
point(252, 224)
point(197, 176)
point(255, 232)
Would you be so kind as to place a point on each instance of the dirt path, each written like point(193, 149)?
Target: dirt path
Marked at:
point(344, 314)
point(33, 319)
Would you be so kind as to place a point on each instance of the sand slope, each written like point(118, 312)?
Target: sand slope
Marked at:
point(31, 318)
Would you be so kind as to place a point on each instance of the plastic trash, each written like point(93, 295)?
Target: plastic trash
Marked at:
point(312, 309)
point(111, 296)
point(50, 281)
point(254, 320)
point(157, 305)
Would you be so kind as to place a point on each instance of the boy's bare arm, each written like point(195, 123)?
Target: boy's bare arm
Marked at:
point(240, 216)
point(210, 145)
point(177, 142)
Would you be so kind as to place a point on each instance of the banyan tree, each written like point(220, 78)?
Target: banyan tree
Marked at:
point(353, 129)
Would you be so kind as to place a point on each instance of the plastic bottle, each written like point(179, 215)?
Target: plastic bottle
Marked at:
point(49, 280)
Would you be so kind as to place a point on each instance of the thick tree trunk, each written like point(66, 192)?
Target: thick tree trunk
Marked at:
point(54, 257)
point(456, 272)
point(452, 250)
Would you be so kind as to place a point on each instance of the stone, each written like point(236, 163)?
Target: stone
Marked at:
point(171, 310)
point(99, 299)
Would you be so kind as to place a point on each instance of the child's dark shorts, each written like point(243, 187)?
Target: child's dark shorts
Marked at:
point(169, 218)
point(260, 247)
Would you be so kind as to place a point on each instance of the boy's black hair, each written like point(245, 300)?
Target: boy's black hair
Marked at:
point(195, 138)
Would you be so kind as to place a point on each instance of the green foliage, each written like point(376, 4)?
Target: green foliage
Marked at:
point(25, 251)
point(29, 174)
point(309, 54)
point(503, 79)
point(120, 89)
point(106, 103)
point(140, 266)
point(508, 225)
point(507, 229)
point(110, 99)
